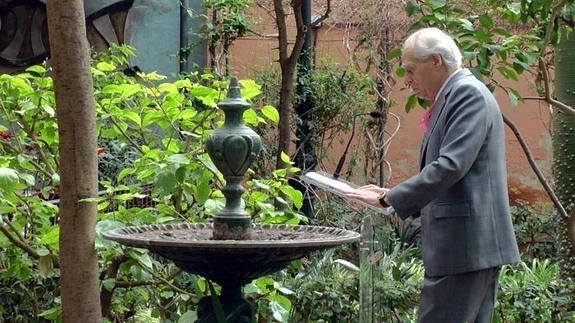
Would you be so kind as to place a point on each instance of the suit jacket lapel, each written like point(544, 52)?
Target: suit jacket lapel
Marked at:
point(437, 110)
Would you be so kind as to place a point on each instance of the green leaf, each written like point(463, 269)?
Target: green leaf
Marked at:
point(36, 69)
point(128, 90)
point(203, 192)
point(184, 83)
point(271, 113)
point(43, 252)
point(483, 58)
point(280, 173)
point(259, 196)
point(280, 307)
point(51, 237)
point(250, 117)
point(142, 257)
point(188, 317)
point(507, 73)
point(111, 89)
point(107, 225)
point(8, 178)
point(485, 21)
point(514, 97)
point(181, 174)
point(23, 85)
point(179, 159)
point(249, 89)
point(166, 181)
point(347, 264)
point(153, 76)
point(133, 116)
point(125, 172)
point(205, 94)
point(109, 284)
point(396, 273)
point(168, 87)
point(30, 180)
point(105, 67)
point(45, 265)
point(411, 103)
point(436, 4)
point(187, 114)
point(295, 196)
point(284, 290)
point(465, 24)
point(394, 53)
point(51, 314)
point(263, 283)
point(261, 185)
point(285, 157)
point(412, 8)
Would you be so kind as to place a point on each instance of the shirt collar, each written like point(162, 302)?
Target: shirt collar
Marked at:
point(446, 81)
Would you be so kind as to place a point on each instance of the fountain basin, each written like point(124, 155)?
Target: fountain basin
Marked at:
point(231, 263)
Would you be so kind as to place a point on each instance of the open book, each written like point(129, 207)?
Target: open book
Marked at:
point(338, 187)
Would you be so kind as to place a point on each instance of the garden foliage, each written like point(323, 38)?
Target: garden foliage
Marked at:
point(153, 169)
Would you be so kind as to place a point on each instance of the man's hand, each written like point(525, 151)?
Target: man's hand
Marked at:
point(368, 194)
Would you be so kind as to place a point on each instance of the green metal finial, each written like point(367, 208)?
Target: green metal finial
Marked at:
point(233, 147)
point(234, 89)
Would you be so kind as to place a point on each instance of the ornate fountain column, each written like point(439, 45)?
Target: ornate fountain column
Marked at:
point(233, 147)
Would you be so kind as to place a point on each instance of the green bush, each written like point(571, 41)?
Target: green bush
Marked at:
point(530, 292)
point(318, 288)
point(533, 229)
point(151, 135)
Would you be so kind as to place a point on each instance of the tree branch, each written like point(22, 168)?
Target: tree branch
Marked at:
point(19, 243)
point(106, 295)
point(535, 168)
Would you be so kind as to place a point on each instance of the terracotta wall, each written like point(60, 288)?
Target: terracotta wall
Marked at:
point(532, 117)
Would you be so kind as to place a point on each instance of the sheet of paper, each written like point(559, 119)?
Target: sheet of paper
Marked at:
point(338, 187)
point(331, 182)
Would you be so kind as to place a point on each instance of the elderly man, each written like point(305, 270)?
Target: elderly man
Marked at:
point(461, 190)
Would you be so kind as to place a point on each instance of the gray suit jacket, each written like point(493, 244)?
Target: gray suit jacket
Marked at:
point(461, 190)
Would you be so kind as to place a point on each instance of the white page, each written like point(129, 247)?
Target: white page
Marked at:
point(331, 182)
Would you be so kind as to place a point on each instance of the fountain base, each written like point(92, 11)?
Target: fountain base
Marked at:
point(231, 263)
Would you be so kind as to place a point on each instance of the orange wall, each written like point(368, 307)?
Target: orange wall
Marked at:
point(531, 117)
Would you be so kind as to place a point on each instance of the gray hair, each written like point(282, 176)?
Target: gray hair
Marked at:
point(428, 41)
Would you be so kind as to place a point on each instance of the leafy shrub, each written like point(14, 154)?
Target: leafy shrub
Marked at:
point(152, 135)
point(533, 230)
point(317, 288)
point(530, 292)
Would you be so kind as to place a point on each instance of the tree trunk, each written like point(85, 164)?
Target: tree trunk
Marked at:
point(564, 154)
point(70, 59)
point(288, 63)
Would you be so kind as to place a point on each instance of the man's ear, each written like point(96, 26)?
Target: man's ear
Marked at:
point(437, 60)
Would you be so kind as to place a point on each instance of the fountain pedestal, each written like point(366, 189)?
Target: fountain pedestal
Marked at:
point(232, 251)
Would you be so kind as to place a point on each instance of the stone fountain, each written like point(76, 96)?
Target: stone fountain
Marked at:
point(231, 251)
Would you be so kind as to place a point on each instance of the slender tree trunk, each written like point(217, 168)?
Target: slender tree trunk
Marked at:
point(75, 109)
point(564, 155)
point(288, 63)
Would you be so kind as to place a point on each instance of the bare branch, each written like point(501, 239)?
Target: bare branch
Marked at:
point(534, 166)
point(18, 243)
